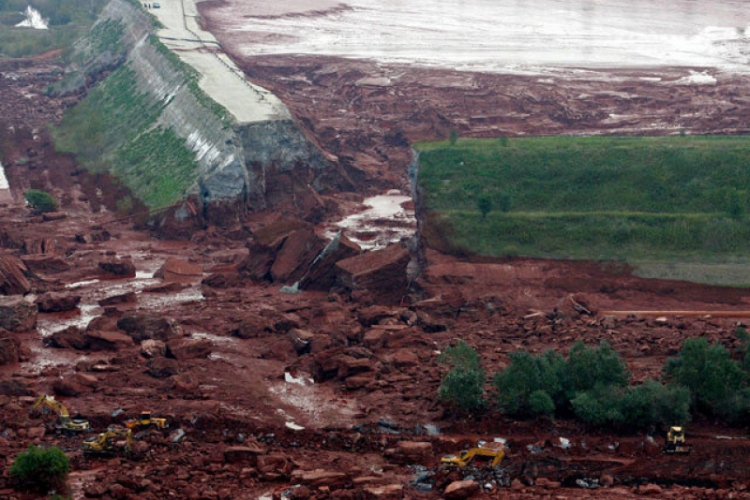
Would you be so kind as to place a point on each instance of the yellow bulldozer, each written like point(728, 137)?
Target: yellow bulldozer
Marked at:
point(145, 420)
point(676, 441)
point(492, 453)
point(64, 421)
point(109, 442)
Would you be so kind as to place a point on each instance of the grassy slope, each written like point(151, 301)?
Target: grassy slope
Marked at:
point(649, 198)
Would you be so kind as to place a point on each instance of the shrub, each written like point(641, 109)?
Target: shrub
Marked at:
point(655, 404)
point(41, 470)
point(587, 368)
point(530, 383)
point(40, 201)
point(463, 386)
point(540, 403)
point(714, 379)
point(599, 406)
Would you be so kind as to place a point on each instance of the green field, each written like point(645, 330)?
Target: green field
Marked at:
point(670, 202)
point(67, 19)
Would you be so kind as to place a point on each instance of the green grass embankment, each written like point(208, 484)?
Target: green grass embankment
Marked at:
point(656, 199)
point(115, 129)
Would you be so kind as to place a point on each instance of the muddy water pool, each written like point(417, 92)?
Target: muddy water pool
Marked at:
point(506, 35)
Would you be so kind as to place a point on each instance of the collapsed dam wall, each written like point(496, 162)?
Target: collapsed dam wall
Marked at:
point(147, 119)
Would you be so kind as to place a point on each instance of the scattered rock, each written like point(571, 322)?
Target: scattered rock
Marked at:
point(153, 348)
point(163, 367)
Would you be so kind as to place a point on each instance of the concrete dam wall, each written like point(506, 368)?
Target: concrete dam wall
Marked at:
point(168, 114)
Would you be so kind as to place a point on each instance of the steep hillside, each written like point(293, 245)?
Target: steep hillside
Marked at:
point(147, 120)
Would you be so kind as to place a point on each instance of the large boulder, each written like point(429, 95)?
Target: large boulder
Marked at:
point(178, 270)
point(247, 454)
point(322, 273)
point(281, 251)
point(13, 274)
point(150, 326)
point(10, 348)
point(18, 313)
point(70, 337)
point(57, 302)
point(458, 490)
point(46, 263)
point(343, 362)
point(251, 327)
point(295, 256)
point(182, 349)
point(118, 267)
point(108, 341)
point(382, 273)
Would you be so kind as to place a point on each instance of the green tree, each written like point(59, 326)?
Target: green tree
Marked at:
point(587, 368)
point(715, 380)
point(484, 204)
point(463, 386)
point(41, 470)
point(530, 383)
point(655, 404)
point(453, 137)
point(600, 405)
point(40, 201)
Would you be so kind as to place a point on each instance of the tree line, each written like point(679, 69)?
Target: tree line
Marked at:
point(592, 385)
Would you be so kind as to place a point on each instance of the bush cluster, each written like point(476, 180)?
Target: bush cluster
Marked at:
point(463, 386)
point(592, 385)
point(41, 470)
point(40, 201)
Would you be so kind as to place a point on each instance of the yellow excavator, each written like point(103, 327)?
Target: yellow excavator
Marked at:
point(109, 442)
point(64, 422)
point(676, 441)
point(145, 420)
point(493, 453)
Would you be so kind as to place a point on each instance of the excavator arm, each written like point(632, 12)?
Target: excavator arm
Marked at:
point(65, 422)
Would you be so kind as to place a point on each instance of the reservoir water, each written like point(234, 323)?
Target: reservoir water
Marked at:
point(514, 36)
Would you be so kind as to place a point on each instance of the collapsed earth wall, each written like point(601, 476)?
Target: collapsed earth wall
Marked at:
point(162, 135)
